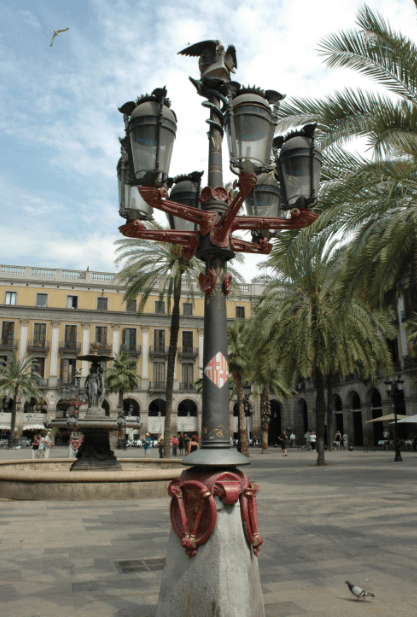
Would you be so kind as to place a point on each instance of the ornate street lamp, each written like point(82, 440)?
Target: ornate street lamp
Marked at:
point(298, 161)
point(205, 229)
point(395, 391)
point(151, 127)
point(131, 204)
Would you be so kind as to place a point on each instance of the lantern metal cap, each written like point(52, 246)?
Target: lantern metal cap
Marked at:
point(216, 457)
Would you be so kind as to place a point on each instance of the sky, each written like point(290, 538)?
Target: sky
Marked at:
point(59, 122)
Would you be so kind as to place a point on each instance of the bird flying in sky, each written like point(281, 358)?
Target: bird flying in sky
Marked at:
point(56, 33)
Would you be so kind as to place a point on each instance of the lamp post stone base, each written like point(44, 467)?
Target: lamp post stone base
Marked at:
point(221, 580)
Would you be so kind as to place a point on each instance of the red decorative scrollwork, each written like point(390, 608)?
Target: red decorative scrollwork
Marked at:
point(227, 284)
point(193, 508)
point(207, 282)
point(241, 246)
point(219, 193)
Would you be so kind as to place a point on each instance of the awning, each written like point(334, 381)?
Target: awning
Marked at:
point(411, 419)
point(33, 427)
point(386, 418)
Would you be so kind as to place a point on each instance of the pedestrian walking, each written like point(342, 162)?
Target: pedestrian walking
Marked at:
point(181, 443)
point(292, 440)
point(161, 445)
point(35, 447)
point(338, 439)
point(283, 438)
point(345, 441)
point(147, 445)
point(313, 439)
point(186, 442)
point(174, 445)
point(48, 444)
point(192, 445)
point(41, 446)
point(307, 438)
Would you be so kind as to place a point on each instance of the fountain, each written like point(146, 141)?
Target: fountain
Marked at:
point(101, 475)
point(94, 452)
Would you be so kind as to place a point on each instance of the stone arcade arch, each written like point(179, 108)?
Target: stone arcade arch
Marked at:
point(374, 398)
point(275, 423)
point(156, 417)
point(187, 417)
point(355, 408)
point(338, 414)
point(303, 417)
point(32, 406)
point(131, 407)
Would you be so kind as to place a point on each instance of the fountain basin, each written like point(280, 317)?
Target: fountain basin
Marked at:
point(52, 480)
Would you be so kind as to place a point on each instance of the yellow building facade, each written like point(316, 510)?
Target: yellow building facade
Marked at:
point(56, 314)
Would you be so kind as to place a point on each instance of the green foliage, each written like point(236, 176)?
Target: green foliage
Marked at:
point(122, 376)
point(19, 377)
point(373, 203)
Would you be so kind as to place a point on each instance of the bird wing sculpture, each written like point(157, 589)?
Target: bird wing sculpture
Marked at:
point(214, 60)
point(56, 33)
point(358, 592)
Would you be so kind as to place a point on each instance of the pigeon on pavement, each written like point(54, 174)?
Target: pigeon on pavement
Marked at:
point(56, 33)
point(358, 592)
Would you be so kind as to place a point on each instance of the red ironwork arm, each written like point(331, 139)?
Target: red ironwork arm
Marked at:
point(189, 240)
point(156, 197)
point(241, 246)
point(299, 219)
point(221, 232)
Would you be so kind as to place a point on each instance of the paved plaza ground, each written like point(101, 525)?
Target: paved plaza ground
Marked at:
point(355, 519)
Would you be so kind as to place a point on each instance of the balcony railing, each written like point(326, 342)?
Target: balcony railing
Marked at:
point(35, 346)
point(188, 352)
point(8, 344)
point(157, 385)
point(133, 350)
point(185, 385)
point(158, 350)
point(103, 348)
point(70, 347)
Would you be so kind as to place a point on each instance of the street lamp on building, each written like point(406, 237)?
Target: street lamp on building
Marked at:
point(203, 223)
point(395, 391)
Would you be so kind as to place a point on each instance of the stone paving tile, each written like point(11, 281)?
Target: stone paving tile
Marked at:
point(355, 519)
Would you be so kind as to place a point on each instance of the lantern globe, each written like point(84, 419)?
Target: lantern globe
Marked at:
point(247, 389)
point(131, 204)
point(152, 129)
point(186, 191)
point(249, 131)
point(264, 199)
point(299, 166)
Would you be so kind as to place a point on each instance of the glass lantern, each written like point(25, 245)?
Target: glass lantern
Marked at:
point(264, 199)
point(250, 128)
point(299, 165)
point(132, 206)
point(186, 191)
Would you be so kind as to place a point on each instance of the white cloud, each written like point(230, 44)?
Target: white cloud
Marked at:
point(59, 104)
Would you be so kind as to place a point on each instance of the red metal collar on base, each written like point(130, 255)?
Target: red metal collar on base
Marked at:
point(193, 507)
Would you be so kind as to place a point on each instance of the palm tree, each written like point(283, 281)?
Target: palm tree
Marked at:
point(239, 368)
point(19, 378)
point(122, 377)
point(149, 265)
point(373, 199)
point(306, 333)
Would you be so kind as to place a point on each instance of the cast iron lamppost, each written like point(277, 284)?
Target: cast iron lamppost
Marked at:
point(395, 391)
point(247, 389)
point(204, 511)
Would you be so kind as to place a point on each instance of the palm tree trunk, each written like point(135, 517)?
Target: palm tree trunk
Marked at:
point(330, 411)
point(320, 415)
point(266, 417)
point(243, 438)
point(172, 354)
point(13, 418)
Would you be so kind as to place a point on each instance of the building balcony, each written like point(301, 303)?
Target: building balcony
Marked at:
point(69, 348)
point(157, 386)
point(133, 350)
point(8, 344)
point(36, 347)
point(158, 350)
point(185, 385)
point(188, 352)
point(44, 383)
point(103, 349)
